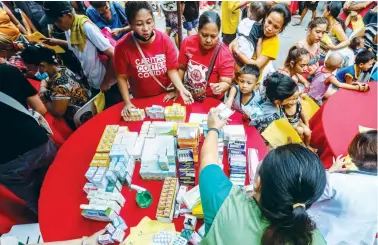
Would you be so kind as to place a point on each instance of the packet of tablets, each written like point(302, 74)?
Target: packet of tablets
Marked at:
point(224, 111)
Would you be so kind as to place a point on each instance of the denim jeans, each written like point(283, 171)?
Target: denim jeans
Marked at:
point(25, 174)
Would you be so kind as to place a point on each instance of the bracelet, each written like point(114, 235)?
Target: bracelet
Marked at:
point(213, 129)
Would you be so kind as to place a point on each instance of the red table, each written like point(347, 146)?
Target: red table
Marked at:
point(61, 195)
point(336, 123)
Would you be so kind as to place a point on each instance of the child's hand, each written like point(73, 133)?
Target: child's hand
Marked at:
point(362, 87)
point(338, 164)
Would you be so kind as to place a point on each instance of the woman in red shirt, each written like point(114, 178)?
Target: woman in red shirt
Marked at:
point(153, 72)
point(196, 53)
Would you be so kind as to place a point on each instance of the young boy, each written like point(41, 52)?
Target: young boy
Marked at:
point(250, 32)
point(85, 40)
point(363, 62)
point(324, 77)
point(245, 97)
point(357, 44)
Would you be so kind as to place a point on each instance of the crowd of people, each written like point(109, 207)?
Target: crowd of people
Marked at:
point(115, 48)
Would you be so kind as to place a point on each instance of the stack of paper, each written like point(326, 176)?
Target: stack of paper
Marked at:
point(233, 131)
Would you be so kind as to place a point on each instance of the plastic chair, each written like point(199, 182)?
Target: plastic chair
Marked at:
point(86, 112)
point(27, 234)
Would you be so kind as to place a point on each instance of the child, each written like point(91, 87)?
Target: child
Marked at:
point(357, 44)
point(244, 96)
point(363, 62)
point(292, 109)
point(323, 78)
point(250, 32)
point(356, 20)
point(279, 90)
point(62, 91)
point(296, 64)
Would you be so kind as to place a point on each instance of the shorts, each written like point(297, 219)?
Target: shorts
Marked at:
point(311, 6)
point(190, 25)
point(228, 38)
point(171, 21)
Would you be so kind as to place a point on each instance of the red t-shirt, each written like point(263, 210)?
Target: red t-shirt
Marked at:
point(197, 62)
point(161, 54)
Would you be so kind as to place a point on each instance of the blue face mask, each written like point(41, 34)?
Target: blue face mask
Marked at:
point(41, 76)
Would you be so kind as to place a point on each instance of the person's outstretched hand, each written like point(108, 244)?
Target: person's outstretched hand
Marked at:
point(213, 120)
point(338, 164)
point(93, 240)
point(186, 96)
point(127, 108)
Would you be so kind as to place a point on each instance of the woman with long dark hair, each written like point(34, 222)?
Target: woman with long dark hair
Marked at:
point(289, 180)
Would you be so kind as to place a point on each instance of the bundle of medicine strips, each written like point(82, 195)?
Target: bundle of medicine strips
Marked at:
point(166, 205)
point(114, 232)
point(158, 159)
point(111, 166)
point(135, 114)
point(155, 112)
point(175, 113)
point(237, 160)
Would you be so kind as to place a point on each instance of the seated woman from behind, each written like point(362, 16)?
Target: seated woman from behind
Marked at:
point(62, 91)
point(351, 198)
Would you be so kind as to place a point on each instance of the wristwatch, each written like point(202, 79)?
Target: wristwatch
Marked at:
point(213, 129)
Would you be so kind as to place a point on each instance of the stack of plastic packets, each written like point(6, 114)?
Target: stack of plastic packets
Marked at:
point(188, 136)
point(162, 128)
point(158, 159)
point(155, 112)
point(237, 160)
point(175, 113)
point(186, 169)
point(135, 114)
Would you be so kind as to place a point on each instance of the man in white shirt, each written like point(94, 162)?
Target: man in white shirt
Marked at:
point(99, 73)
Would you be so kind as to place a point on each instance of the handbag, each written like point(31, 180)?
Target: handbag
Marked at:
point(170, 87)
point(201, 94)
point(6, 99)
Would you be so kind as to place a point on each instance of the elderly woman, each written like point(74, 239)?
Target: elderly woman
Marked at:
point(206, 65)
point(146, 58)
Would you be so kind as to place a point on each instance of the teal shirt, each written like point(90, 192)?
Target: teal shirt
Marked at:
point(214, 188)
point(231, 217)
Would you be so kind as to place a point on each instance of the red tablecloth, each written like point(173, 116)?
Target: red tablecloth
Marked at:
point(62, 194)
point(336, 123)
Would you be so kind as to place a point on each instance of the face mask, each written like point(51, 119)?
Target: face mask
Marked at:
point(137, 36)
